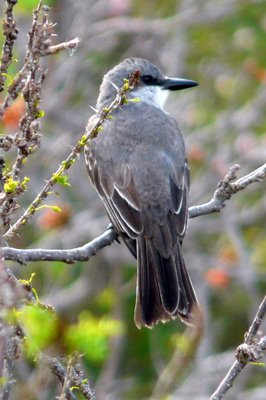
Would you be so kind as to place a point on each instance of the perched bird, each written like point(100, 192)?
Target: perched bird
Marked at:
point(137, 163)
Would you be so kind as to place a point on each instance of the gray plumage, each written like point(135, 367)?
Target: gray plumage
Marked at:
point(138, 166)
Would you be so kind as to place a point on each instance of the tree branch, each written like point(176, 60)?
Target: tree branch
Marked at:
point(250, 351)
point(72, 376)
point(12, 292)
point(10, 335)
point(28, 81)
point(69, 256)
point(71, 45)
point(226, 188)
point(10, 32)
point(92, 130)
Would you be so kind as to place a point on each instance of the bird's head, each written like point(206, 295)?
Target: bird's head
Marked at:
point(153, 87)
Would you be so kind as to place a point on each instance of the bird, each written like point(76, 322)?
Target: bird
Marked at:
point(137, 163)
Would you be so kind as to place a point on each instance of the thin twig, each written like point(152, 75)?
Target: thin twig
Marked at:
point(249, 351)
point(91, 131)
point(226, 188)
point(71, 45)
point(10, 336)
point(29, 82)
point(59, 371)
point(10, 32)
point(66, 393)
point(256, 322)
point(73, 375)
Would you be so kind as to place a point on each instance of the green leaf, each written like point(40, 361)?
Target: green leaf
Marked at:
point(62, 180)
point(54, 208)
point(10, 185)
point(25, 7)
point(9, 77)
point(134, 100)
point(258, 364)
point(40, 114)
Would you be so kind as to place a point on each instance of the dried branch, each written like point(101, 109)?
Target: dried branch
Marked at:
point(11, 293)
point(10, 336)
point(250, 351)
point(64, 376)
point(29, 82)
point(30, 59)
point(71, 45)
point(226, 188)
point(70, 377)
point(10, 32)
point(83, 253)
point(256, 323)
point(79, 381)
point(39, 45)
point(92, 130)
point(27, 139)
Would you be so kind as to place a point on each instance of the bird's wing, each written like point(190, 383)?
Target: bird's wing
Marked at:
point(142, 178)
point(119, 197)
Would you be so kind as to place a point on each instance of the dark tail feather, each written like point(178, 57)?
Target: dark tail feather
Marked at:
point(148, 309)
point(164, 289)
point(190, 314)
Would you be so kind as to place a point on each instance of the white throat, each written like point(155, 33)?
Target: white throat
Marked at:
point(152, 95)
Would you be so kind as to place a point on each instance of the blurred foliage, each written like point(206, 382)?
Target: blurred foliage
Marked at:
point(153, 8)
point(229, 331)
point(90, 336)
point(25, 7)
point(40, 327)
point(259, 254)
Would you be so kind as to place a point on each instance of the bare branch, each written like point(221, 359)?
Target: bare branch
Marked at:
point(83, 253)
point(73, 375)
point(92, 129)
point(10, 336)
point(226, 188)
point(29, 82)
point(71, 45)
point(249, 351)
point(10, 32)
point(256, 322)
point(59, 371)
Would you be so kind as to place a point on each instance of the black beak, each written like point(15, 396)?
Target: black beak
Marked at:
point(178, 83)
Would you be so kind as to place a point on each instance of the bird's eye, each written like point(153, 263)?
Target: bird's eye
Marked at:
point(148, 79)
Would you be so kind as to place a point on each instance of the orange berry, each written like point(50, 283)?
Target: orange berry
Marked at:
point(217, 278)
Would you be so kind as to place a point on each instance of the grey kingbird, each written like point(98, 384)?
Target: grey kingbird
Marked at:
point(137, 163)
